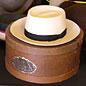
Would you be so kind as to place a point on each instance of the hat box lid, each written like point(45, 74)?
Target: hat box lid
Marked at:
point(25, 47)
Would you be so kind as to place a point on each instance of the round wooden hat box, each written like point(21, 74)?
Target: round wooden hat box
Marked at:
point(39, 64)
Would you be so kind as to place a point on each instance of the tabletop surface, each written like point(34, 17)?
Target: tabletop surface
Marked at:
point(8, 80)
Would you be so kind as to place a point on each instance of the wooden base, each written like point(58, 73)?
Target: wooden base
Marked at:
point(42, 80)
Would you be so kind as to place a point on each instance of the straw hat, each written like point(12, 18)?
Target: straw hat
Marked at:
point(45, 25)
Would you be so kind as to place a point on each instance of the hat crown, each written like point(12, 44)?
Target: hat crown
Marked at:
point(45, 20)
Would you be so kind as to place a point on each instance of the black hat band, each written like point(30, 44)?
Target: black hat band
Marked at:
point(44, 37)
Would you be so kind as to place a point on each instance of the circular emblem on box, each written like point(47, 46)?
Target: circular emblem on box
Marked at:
point(24, 65)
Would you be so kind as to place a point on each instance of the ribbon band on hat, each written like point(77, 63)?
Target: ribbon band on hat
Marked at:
point(45, 37)
point(82, 2)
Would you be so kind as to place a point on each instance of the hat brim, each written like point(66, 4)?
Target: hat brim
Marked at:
point(17, 30)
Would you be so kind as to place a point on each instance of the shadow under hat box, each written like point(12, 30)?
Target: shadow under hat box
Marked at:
point(39, 64)
point(15, 6)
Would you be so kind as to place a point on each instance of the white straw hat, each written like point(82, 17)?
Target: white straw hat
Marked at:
point(45, 25)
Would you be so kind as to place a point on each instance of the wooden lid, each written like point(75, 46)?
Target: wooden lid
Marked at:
point(25, 47)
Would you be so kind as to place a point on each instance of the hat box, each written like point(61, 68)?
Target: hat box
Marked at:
point(43, 61)
point(52, 64)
